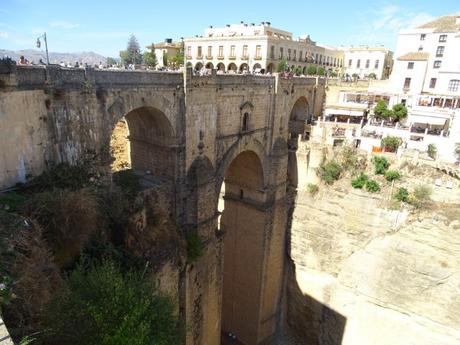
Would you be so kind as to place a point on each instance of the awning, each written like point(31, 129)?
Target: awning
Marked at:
point(437, 121)
point(333, 111)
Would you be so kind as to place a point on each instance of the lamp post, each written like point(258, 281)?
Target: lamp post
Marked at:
point(46, 46)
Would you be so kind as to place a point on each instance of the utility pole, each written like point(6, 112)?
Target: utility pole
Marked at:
point(46, 46)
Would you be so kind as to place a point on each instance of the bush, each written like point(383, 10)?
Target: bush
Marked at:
point(12, 201)
point(194, 247)
point(351, 161)
point(402, 194)
point(392, 175)
point(381, 164)
point(68, 218)
point(360, 181)
point(420, 197)
point(99, 305)
point(372, 186)
point(312, 188)
point(312, 70)
point(330, 172)
point(432, 151)
point(399, 112)
point(128, 181)
point(391, 143)
point(380, 109)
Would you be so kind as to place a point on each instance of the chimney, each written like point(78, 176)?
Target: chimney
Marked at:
point(168, 40)
point(268, 23)
point(228, 25)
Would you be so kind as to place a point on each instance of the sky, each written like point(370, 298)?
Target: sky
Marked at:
point(105, 26)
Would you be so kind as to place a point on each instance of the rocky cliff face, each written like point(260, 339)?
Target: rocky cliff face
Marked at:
point(362, 274)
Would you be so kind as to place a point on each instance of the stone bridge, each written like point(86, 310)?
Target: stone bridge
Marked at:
point(204, 136)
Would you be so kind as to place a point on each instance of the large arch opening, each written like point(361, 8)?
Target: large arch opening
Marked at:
point(221, 67)
point(244, 68)
point(242, 222)
point(142, 140)
point(232, 68)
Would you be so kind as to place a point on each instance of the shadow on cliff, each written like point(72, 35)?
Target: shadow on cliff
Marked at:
point(310, 321)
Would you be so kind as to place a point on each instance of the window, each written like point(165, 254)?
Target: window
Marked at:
point(232, 51)
point(437, 64)
point(442, 38)
point(281, 52)
point(209, 51)
point(258, 49)
point(289, 54)
point(189, 51)
point(406, 83)
point(300, 55)
point(295, 55)
point(221, 51)
point(376, 65)
point(358, 63)
point(272, 52)
point(410, 65)
point(440, 51)
point(453, 85)
point(350, 62)
point(200, 53)
point(432, 83)
point(422, 37)
point(245, 125)
point(368, 62)
point(245, 51)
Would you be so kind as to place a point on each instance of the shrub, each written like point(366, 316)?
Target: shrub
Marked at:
point(432, 151)
point(312, 188)
point(392, 175)
point(128, 181)
point(420, 197)
point(391, 143)
point(372, 186)
point(381, 164)
point(351, 161)
point(99, 305)
point(402, 194)
point(312, 70)
point(399, 112)
point(330, 172)
point(380, 109)
point(194, 247)
point(321, 71)
point(372, 76)
point(360, 181)
point(68, 218)
point(12, 201)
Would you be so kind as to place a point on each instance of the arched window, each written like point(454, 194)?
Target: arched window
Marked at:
point(245, 126)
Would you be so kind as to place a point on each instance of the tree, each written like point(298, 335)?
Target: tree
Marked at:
point(165, 59)
point(399, 112)
point(372, 76)
point(178, 59)
point(432, 151)
point(150, 58)
point(282, 66)
point(312, 70)
point(111, 61)
point(391, 143)
point(381, 109)
point(321, 71)
point(132, 54)
point(355, 76)
point(333, 74)
point(457, 150)
point(298, 70)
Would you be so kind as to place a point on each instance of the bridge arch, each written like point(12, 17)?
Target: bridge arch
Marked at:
point(242, 223)
point(142, 140)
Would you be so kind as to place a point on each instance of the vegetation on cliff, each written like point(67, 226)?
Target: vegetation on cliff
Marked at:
point(71, 265)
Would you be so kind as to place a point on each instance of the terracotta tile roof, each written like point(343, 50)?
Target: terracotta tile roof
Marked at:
point(414, 56)
point(443, 24)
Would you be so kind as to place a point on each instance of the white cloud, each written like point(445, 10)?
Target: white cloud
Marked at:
point(3, 34)
point(61, 24)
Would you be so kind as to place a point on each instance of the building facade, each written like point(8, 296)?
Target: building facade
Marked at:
point(240, 48)
point(364, 61)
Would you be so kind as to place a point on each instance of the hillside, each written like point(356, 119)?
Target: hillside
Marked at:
point(33, 55)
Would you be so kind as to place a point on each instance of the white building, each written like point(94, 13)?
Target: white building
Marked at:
point(257, 48)
point(164, 51)
point(364, 60)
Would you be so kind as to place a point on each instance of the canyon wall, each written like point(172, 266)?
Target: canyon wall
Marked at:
point(363, 274)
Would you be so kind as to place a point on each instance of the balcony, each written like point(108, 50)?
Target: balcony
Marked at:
point(220, 57)
point(258, 58)
point(199, 56)
point(244, 57)
point(232, 57)
point(209, 57)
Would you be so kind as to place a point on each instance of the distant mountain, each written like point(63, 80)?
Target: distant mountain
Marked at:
point(90, 58)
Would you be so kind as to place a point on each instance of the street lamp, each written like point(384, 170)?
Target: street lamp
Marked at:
point(46, 46)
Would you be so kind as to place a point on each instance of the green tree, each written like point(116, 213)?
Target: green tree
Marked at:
point(312, 70)
point(165, 59)
point(381, 109)
point(330, 171)
point(333, 74)
point(132, 54)
point(111, 61)
point(372, 76)
point(321, 71)
point(99, 305)
point(399, 112)
point(381, 164)
point(178, 59)
point(391, 143)
point(298, 70)
point(282, 66)
point(457, 150)
point(150, 58)
point(432, 151)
